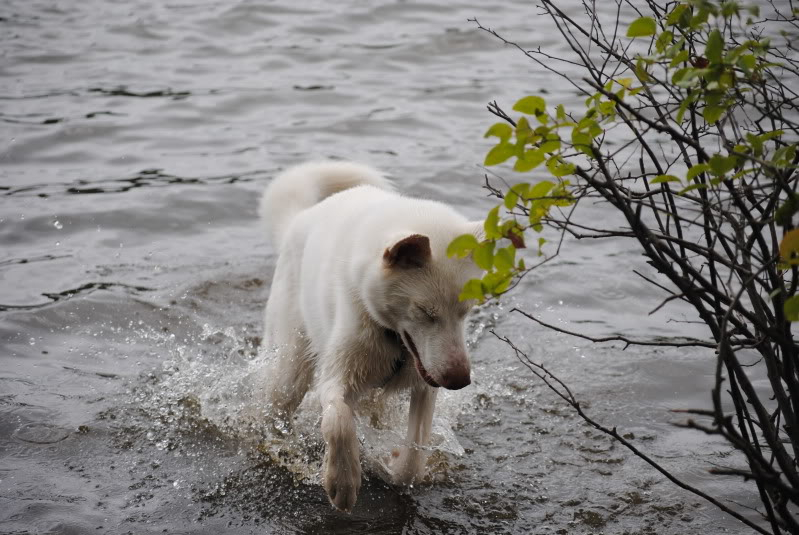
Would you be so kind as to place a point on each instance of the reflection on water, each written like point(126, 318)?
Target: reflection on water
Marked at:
point(133, 275)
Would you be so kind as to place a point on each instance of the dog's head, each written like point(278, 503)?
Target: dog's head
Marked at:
point(417, 297)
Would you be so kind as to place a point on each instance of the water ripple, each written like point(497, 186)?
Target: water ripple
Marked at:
point(85, 289)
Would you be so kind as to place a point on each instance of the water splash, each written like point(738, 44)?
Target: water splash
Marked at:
point(212, 383)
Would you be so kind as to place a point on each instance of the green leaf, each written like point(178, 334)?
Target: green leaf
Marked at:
point(680, 74)
point(701, 17)
point(757, 141)
point(491, 224)
point(530, 105)
point(783, 156)
point(462, 245)
point(730, 9)
point(687, 76)
point(642, 27)
point(560, 167)
point(744, 172)
point(505, 258)
point(714, 47)
point(513, 194)
point(789, 247)
point(664, 178)
point(472, 290)
point(501, 130)
point(771, 135)
point(540, 190)
point(542, 117)
point(510, 199)
point(502, 285)
point(550, 145)
point(791, 308)
point(561, 196)
point(640, 70)
point(747, 62)
point(696, 170)
point(677, 14)
point(496, 282)
point(681, 57)
point(664, 40)
point(713, 113)
point(582, 141)
point(523, 130)
point(720, 165)
point(484, 255)
point(500, 153)
point(530, 160)
point(609, 106)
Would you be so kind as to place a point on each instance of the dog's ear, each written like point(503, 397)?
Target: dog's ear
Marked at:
point(410, 252)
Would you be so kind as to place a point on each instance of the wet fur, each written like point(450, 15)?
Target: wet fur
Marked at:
point(360, 269)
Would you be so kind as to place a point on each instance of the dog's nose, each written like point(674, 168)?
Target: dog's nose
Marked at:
point(456, 375)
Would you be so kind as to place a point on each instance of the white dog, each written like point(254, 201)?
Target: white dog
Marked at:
point(363, 296)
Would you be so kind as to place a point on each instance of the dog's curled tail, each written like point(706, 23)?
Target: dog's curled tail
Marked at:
point(303, 186)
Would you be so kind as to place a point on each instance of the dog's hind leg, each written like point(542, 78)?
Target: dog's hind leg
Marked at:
point(290, 373)
point(289, 377)
point(407, 464)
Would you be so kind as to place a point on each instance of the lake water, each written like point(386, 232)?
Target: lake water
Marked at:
point(136, 138)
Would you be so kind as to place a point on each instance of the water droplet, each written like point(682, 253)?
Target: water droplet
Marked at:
point(32, 341)
point(58, 224)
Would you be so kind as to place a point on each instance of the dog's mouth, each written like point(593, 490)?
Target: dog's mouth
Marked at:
point(411, 347)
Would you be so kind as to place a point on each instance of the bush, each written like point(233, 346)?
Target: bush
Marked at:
point(716, 82)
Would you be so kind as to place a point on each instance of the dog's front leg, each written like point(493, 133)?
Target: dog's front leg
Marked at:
point(342, 466)
point(408, 463)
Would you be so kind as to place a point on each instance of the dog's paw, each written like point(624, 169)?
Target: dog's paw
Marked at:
point(406, 465)
point(342, 480)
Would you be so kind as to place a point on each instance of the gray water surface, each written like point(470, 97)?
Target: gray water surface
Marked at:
point(136, 138)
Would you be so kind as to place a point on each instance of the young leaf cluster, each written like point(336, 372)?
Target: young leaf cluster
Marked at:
point(689, 131)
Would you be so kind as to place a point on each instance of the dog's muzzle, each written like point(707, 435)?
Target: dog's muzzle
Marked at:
point(454, 377)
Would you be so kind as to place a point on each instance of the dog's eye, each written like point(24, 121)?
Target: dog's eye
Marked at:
point(427, 312)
